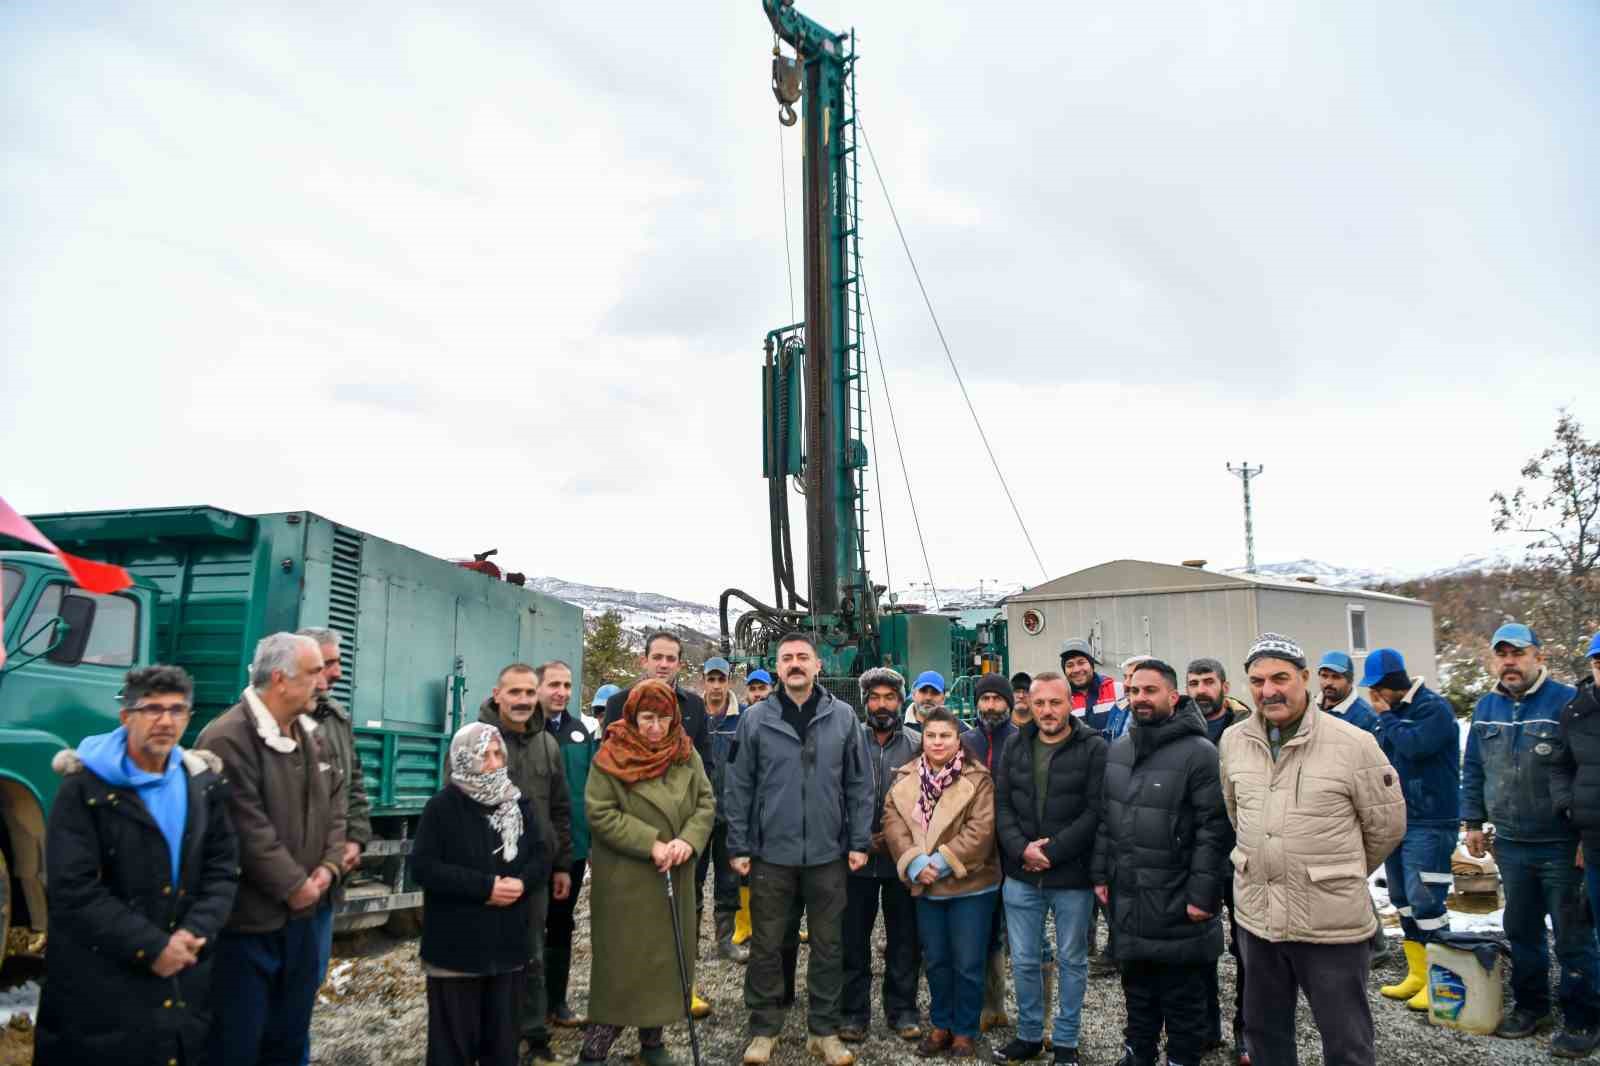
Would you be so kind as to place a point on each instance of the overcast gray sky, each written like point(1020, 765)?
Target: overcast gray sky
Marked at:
point(478, 275)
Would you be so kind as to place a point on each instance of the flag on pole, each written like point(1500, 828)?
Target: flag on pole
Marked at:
point(92, 576)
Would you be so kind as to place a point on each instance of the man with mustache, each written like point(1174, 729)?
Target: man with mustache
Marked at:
point(985, 742)
point(143, 868)
point(535, 765)
point(1316, 808)
point(1119, 718)
point(890, 745)
point(1336, 677)
point(1021, 712)
point(1505, 779)
point(799, 808)
point(1207, 684)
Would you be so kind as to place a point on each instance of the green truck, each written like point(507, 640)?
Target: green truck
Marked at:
point(422, 642)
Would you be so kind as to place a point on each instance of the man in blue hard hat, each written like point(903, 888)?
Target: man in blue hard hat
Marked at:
point(722, 723)
point(1417, 731)
point(1506, 779)
point(927, 692)
point(597, 707)
point(1336, 677)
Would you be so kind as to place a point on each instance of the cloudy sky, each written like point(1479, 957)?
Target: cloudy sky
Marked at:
point(478, 275)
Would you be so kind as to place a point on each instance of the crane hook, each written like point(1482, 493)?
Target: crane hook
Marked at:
point(787, 116)
point(785, 86)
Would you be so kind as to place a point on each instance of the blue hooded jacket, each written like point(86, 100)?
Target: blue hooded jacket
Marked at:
point(165, 795)
point(1423, 742)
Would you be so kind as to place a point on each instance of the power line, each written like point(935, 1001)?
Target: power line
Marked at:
point(788, 255)
point(946, 345)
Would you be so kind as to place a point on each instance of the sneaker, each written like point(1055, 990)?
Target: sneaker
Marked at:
point(1573, 1043)
point(1521, 1023)
point(1019, 1050)
point(851, 1033)
point(1066, 1056)
point(830, 1051)
point(1130, 1059)
point(759, 1051)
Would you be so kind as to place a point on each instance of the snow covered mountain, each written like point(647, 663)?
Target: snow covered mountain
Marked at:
point(641, 612)
point(1336, 576)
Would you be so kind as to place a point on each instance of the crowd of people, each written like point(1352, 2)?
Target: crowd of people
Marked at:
point(192, 892)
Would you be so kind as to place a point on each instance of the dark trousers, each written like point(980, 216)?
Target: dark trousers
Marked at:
point(1214, 988)
point(558, 928)
point(472, 1021)
point(954, 934)
point(1164, 995)
point(773, 890)
point(1540, 880)
point(862, 895)
point(535, 1003)
point(1419, 879)
point(324, 931)
point(263, 989)
point(724, 882)
point(1334, 979)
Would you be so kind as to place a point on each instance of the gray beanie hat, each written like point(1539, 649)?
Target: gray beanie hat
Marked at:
point(1276, 646)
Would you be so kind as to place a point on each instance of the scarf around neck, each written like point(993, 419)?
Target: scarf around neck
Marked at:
point(493, 789)
point(934, 784)
point(627, 754)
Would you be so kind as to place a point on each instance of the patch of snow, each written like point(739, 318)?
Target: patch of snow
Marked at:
point(23, 999)
point(339, 977)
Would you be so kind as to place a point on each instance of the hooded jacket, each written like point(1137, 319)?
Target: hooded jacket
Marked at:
point(1311, 825)
point(1072, 805)
point(1505, 774)
point(535, 766)
point(799, 804)
point(1162, 845)
point(114, 904)
point(986, 744)
point(1420, 737)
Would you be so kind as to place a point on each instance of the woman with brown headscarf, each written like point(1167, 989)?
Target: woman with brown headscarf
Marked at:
point(650, 811)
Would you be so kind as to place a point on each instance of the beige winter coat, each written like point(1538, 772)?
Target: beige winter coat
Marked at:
point(1310, 827)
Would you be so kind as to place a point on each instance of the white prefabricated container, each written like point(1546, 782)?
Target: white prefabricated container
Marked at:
point(1461, 993)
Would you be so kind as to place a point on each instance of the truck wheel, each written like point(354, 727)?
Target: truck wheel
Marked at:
point(405, 924)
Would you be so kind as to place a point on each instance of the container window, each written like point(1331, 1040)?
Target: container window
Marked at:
point(1358, 630)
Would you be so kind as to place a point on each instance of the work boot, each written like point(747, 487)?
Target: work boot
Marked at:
point(962, 1047)
point(1019, 1050)
point(741, 919)
point(1521, 1023)
point(1573, 1043)
point(1416, 974)
point(654, 1055)
point(829, 1050)
point(1419, 1001)
point(908, 1028)
point(759, 1051)
point(934, 1043)
point(851, 1033)
point(725, 945)
point(1130, 1059)
point(697, 1005)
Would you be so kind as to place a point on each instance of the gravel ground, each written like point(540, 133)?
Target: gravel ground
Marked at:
point(373, 1011)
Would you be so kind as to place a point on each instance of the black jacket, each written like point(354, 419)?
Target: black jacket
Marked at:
point(1072, 805)
point(882, 762)
point(1575, 768)
point(112, 910)
point(987, 746)
point(1163, 842)
point(453, 859)
point(690, 705)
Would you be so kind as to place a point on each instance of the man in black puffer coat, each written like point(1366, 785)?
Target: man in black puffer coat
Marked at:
point(1575, 772)
point(1158, 864)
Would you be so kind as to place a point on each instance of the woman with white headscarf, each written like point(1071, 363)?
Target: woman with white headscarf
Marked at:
point(476, 852)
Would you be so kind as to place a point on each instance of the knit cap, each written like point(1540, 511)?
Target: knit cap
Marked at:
point(995, 684)
point(1276, 646)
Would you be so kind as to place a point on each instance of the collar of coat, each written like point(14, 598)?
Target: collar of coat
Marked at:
point(1257, 726)
point(267, 726)
point(197, 761)
point(1342, 708)
point(953, 801)
point(489, 712)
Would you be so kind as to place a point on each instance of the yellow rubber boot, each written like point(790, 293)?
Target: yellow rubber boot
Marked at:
point(1420, 1001)
point(1416, 978)
point(741, 920)
point(697, 1005)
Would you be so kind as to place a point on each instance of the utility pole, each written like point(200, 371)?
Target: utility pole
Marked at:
point(1244, 472)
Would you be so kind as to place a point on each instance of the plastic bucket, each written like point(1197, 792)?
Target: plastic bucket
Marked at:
point(1461, 993)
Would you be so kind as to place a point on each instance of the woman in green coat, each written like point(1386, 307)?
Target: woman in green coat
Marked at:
point(650, 811)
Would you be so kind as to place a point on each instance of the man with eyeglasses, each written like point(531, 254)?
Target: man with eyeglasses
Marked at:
point(143, 869)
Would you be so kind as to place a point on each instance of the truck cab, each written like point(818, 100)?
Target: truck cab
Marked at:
point(66, 651)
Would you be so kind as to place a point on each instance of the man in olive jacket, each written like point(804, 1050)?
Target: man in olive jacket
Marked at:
point(143, 868)
point(286, 798)
point(1316, 808)
point(535, 766)
point(1158, 866)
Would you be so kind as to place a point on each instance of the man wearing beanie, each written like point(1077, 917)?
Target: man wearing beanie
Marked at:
point(1021, 710)
point(1417, 730)
point(986, 742)
point(1336, 677)
point(1316, 808)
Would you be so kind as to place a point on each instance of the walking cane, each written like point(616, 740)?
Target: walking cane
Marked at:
point(683, 968)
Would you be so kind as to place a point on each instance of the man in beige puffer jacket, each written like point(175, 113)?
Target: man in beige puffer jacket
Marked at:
point(1316, 807)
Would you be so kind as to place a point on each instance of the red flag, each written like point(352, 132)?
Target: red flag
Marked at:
point(93, 576)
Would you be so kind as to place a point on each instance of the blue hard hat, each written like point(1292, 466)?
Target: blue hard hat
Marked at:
point(1515, 634)
point(1382, 661)
point(929, 679)
point(1594, 646)
point(1338, 662)
point(758, 676)
point(602, 694)
point(719, 664)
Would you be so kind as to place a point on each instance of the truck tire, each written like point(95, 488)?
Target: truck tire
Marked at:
point(405, 924)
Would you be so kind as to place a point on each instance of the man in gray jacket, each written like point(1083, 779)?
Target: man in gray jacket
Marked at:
point(799, 809)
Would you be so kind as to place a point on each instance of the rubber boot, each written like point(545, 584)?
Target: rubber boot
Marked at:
point(1422, 1000)
point(741, 919)
point(1416, 974)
